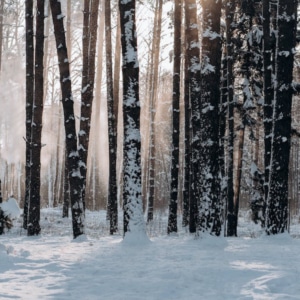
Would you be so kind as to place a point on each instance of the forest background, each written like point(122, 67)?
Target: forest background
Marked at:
point(157, 52)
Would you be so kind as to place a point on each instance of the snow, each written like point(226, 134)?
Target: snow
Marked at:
point(99, 266)
point(11, 208)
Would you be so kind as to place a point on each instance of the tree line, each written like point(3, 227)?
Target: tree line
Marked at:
point(231, 86)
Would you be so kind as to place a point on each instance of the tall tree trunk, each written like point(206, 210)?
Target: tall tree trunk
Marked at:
point(29, 100)
point(69, 120)
point(231, 218)
point(153, 82)
point(112, 203)
point(210, 208)
point(132, 192)
point(277, 202)
point(172, 221)
point(268, 96)
point(192, 126)
point(88, 80)
point(33, 225)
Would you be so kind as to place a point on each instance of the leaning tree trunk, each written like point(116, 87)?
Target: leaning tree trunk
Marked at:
point(210, 206)
point(73, 162)
point(33, 226)
point(172, 221)
point(29, 101)
point(132, 191)
point(277, 202)
point(112, 202)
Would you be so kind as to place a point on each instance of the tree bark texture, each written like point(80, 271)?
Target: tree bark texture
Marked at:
point(210, 206)
point(132, 192)
point(277, 203)
point(69, 121)
point(172, 220)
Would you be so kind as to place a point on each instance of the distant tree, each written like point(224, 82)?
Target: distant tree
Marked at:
point(132, 192)
point(277, 202)
point(153, 87)
point(172, 220)
point(73, 162)
point(210, 206)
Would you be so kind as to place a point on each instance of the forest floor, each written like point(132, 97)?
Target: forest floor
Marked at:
point(99, 266)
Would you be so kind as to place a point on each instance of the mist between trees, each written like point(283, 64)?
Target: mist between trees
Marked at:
point(184, 107)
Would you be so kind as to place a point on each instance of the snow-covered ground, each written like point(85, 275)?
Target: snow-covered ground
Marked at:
point(53, 266)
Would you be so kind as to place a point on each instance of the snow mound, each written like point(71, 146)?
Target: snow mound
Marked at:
point(11, 208)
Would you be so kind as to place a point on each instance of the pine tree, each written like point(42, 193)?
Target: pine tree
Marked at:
point(277, 202)
point(132, 191)
point(73, 161)
point(210, 206)
point(172, 221)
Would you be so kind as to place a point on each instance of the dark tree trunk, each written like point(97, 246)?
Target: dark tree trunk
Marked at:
point(33, 225)
point(29, 101)
point(89, 41)
point(231, 218)
point(268, 95)
point(172, 221)
point(112, 203)
point(66, 187)
point(132, 192)
point(69, 120)
point(277, 203)
point(210, 206)
point(193, 114)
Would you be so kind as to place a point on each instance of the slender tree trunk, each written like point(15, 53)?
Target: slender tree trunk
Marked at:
point(88, 80)
point(155, 53)
point(33, 225)
point(268, 95)
point(210, 206)
point(277, 202)
point(29, 100)
point(231, 218)
point(172, 221)
point(132, 192)
point(69, 120)
point(192, 127)
point(112, 207)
